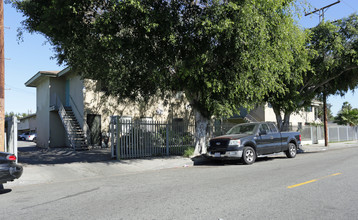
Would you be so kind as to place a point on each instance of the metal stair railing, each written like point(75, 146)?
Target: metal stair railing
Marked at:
point(250, 118)
point(67, 123)
point(85, 125)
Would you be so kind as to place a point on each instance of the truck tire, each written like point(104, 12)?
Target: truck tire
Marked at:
point(248, 156)
point(292, 150)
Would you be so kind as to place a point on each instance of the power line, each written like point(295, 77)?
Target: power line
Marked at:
point(355, 10)
point(321, 11)
point(13, 88)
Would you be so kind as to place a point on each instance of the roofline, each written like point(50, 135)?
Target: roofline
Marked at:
point(63, 72)
point(28, 116)
point(38, 75)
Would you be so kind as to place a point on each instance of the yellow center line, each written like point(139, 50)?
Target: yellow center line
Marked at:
point(314, 180)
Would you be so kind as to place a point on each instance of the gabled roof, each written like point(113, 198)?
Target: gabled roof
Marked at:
point(33, 82)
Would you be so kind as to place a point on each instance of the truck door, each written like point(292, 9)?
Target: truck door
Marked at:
point(265, 140)
point(277, 140)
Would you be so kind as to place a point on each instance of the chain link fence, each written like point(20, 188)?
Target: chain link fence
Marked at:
point(315, 134)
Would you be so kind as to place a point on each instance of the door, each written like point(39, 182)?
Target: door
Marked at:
point(94, 124)
point(277, 140)
point(67, 93)
point(265, 140)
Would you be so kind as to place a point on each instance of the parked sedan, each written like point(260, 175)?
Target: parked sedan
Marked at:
point(27, 136)
point(22, 136)
point(31, 137)
point(9, 170)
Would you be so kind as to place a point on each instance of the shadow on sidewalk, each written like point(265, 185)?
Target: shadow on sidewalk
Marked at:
point(35, 155)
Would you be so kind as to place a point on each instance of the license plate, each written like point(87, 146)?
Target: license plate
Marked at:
point(217, 154)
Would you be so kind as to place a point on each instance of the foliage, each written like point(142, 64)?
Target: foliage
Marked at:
point(333, 58)
point(320, 112)
point(347, 115)
point(189, 152)
point(221, 55)
point(18, 115)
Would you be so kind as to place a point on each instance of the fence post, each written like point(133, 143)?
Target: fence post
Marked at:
point(167, 134)
point(111, 128)
point(347, 133)
point(311, 134)
point(117, 138)
point(339, 139)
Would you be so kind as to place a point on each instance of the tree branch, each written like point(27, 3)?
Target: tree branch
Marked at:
point(330, 79)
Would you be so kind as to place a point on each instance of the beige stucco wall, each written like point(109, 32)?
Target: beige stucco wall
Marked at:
point(295, 118)
point(76, 92)
point(96, 103)
point(42, 112)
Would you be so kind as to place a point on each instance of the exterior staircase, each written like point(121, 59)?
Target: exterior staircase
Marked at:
point(250, 118)
point(74, 131)
point(76, 136)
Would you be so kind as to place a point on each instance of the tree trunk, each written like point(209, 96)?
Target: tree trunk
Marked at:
point(282, 125)
point(278, 117)
point(286, 121)
point(325, 119)
point(201, 125)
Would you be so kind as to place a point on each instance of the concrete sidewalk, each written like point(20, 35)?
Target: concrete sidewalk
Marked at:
point(331, 146)
point(63, 164)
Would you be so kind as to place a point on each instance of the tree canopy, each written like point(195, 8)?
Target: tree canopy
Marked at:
point(347, 115)
point(333, 58)
point(222, 54)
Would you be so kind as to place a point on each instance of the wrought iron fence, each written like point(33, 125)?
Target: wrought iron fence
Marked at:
point(148, 138)
point(138, 139)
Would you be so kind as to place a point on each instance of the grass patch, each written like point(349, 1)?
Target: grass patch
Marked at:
point(189, 152)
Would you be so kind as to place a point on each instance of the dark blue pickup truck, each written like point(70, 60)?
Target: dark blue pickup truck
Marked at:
point(247, 141)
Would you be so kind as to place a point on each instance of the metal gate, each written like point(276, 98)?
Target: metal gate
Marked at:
point(147, 138)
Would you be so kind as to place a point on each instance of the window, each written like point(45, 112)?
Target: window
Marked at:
point(264, 127)
point(273, 128)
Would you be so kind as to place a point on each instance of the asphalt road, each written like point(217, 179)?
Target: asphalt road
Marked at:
point(320, 185)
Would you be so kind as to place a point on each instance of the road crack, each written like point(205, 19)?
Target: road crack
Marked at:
point(65, 197)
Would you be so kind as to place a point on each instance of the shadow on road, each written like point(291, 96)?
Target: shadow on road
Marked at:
point(2, 190)
point(202, 161)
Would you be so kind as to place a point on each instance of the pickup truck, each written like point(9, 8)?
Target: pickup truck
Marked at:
point(247, 141)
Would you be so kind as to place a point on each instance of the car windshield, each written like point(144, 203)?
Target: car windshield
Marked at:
point(242, 129)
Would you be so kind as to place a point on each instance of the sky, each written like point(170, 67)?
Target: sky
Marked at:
point(23, 59)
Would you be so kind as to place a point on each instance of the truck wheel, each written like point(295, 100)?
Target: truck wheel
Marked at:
point(248, 155)
point(292, 150)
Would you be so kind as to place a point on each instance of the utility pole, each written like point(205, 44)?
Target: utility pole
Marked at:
point(2, 79)
point(321, 12)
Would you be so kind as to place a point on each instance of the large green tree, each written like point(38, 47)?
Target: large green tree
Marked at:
point(333, 57)
point(222, 54)
point(347, 115)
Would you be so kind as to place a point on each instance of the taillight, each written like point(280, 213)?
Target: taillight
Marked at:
point(300, 137)
point(11, 157)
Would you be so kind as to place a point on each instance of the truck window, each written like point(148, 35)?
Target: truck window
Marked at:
point(273, 128)
point(264, 127)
